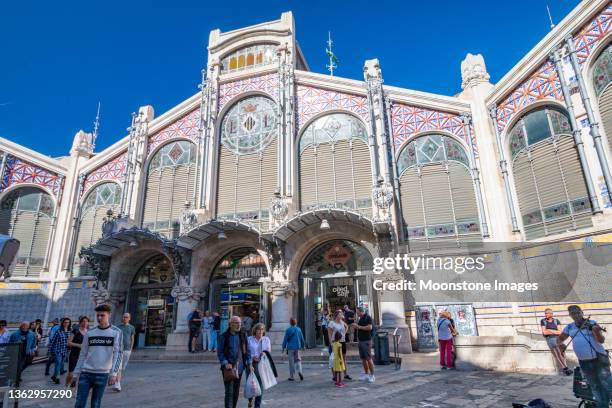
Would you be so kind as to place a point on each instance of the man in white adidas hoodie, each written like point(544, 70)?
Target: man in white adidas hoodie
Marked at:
point(99, 360)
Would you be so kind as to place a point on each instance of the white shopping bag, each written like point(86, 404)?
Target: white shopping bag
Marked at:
point(331, 360)
point(265, 373)
point(251, 388)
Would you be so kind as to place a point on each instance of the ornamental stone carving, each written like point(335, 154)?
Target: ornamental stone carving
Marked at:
point(278, 289)
point(473, 70)
point(382, 195)
point(278, 207)
point(183, 293)
point(188, 218)
point(100, 296)
point(82, 144)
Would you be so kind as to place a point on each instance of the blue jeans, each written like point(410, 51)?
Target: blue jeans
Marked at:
point(212, 344)
point(600, 379)
point(97, 384)
point(58, 361)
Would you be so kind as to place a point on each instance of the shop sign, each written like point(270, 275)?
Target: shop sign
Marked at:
point(246, 272)
point(156, 303)
point(337, 256)
point(341, 291)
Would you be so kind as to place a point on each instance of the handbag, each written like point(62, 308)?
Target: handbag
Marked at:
point(230, 374)
point(266, 374)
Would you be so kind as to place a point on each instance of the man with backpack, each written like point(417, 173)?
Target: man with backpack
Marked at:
point(587, 338)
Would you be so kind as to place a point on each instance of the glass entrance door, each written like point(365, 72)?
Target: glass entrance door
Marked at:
point(153, 316)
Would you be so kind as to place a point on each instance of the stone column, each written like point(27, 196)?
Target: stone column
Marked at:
point(391, 304)
point(282, 295)
point(186, 300)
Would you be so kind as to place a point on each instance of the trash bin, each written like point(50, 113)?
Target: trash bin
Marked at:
point(381, 347)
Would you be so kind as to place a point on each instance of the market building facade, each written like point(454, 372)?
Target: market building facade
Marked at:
point(270, 191)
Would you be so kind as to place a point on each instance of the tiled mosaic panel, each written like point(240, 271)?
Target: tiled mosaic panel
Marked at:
point(17, 171)
point(111, 171)
point(312, 101)
point(17, 305)
point(407, 121)
point(72, 303)
point(185, 127)
point(592, 33)
point(267, 84)
point(542, 84)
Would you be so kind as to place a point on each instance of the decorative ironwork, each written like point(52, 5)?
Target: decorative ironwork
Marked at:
point(278, 288)
point(382, 195)
point(99, 264)
point(189, 218)
point(18, 171)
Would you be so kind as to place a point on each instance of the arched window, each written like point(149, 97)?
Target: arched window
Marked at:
point(335, 169)
point(104, 197)
point(602, 76)
point(438, 199)
point(170, 183)
point(549, 182)
point(248, 164)
point(26, 214)
point(249, 57)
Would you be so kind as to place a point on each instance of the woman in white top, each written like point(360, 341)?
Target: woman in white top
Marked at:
point(258, 343)
point(338, 325)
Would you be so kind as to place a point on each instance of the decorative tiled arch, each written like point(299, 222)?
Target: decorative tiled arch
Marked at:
point(18, 171)
point(542, 84)
point(112, 171)
point(592, 33)
point(264, 83)
point(312, 101)
point(185, 127)
point(408, 120)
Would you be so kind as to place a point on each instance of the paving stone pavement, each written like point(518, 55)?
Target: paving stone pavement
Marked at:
point(155, 384)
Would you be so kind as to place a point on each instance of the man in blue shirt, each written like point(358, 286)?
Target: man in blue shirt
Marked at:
point(233, 354)
point(27, 347)
point(587, 338)
point(51, 360)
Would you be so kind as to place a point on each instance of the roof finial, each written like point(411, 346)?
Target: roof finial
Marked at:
point(95, 128)
point(333, 60)
point(552, 25)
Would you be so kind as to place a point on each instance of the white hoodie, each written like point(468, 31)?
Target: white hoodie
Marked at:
point(100, 351)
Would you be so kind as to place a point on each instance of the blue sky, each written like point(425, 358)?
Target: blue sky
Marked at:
point(60, 58)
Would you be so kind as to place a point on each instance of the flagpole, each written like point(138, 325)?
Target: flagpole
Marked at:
point(332, 58)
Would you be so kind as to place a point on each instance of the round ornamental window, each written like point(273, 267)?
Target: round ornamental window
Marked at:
point(250, 125)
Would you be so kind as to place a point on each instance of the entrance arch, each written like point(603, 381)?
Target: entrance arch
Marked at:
point(337, 272)
point(236, 287)
point(150, 302)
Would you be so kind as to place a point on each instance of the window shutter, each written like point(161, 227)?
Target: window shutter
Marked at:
point(464, 198)
point(362, 167)
point(226, 182)
point(307, 178)
point(40, 243)
point(412, 206)
point(151, 198)
point(605, 111)
point(436, 193)
point(22, 228)
point(344, 173)
point(325, 174)
point(269, 182)
point(527, 194)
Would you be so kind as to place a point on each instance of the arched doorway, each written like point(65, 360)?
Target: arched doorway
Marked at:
point(334, 274)
point(150, 303)
point(236, 287)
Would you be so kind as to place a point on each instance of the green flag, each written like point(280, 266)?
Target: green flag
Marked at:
point(331, 55)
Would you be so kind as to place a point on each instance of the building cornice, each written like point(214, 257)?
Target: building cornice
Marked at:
point(32, 156)
point(427, 99)
point(575, 20)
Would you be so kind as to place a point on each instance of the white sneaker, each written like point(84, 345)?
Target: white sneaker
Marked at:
point(363, 377)
point(371, 379)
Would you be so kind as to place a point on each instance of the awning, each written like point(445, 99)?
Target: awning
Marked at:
point(125, 237)
point(304, 220)
point(195, 236)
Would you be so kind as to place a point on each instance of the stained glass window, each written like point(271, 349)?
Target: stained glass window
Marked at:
point(29, 199)
point(104, 195)
point(250, 125)
point(174, 154)
point(431, 149)
point(536, 126)
point(602, 70)
point(333, 128)
point(249, 57)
